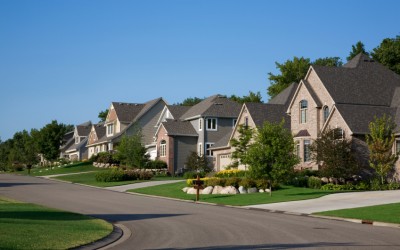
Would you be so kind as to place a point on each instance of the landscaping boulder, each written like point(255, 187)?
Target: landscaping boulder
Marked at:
point(207, 190)
point(325, 180)
point(217, 190)
point(185, 189)
point(229, 190)
point(252, 190)
point(192, 191)
point(242, 190)
point(261, 191)
point(267, 190)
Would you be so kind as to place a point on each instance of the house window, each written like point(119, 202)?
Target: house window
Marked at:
point(246, 121)
point(211, 123)
point(234, 121)
point(110, 129)
point(398, 146)
point(200, 124)
point(77, 139)
point(303, 111)
point(163, 148)
point(208, 151)
point(338, 134)
point(297, 149)
point(326, 113)
point(200, 149)
point(307, 150)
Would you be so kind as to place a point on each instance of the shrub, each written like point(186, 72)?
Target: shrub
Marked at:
point(314, 182)
point(233, 181)
point(193, 175)
point(145, 175)
point(262, 184)
point(394, 186)
point(157, 164)
point(214, 181)
point(247, 183)
point(131, 175)
point(362, 186)
point(114, 174)
point(231, 173)
point(299, 181)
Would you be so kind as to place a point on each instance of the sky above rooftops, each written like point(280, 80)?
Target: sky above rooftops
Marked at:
point(68, 60)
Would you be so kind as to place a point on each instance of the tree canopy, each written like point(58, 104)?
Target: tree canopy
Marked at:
point(251, 97)
point(356, 49)
point(131, 152)
point(242, 144)
point(388, 53)
point(103, 115)
point(190, 101)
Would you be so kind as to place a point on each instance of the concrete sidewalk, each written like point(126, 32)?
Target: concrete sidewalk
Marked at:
point(335, 202)
point(124, 188)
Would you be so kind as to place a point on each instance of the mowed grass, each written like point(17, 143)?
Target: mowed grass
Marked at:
point(286, 193)
point(384, 213)
point(68, 169)
point(29, 226)
point(90, 179)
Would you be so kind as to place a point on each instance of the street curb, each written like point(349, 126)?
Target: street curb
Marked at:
point(114, 236)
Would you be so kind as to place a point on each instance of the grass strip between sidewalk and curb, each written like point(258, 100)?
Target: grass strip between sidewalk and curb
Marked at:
point(30, 226)
point(388, 213)
point(286, 193)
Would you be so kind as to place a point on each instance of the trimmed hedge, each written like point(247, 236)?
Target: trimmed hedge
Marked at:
point(117, 174)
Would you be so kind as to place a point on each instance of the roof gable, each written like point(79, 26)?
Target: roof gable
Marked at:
point(213, 106)
point(179, 128)
point(306, 85)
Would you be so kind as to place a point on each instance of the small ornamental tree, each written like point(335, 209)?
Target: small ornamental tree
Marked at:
point(271, 155)
point(334, 155)
point(241, 144)
point(380, 142)
point(131, 152)
point(197, 163)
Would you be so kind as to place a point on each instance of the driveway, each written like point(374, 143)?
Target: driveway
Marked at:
point(335, 201)
point(168, 224)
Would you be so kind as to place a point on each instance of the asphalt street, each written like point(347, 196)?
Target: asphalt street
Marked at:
point(158, 223)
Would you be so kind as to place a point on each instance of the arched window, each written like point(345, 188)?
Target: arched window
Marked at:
point(326, 113)
point(163, 148)
point(303, 111)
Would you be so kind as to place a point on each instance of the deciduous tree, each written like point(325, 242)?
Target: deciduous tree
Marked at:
point(388, 53)
point(241, 144)
point(356, 49)
point(131, 152)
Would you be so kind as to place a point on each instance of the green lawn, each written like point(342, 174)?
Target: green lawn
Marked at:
point(72, 168)
point(89, 179)
point(29, 226)
point(286, 193)
point(384, 213)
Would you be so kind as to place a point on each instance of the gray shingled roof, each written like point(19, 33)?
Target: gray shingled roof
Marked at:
point(358, 117)
point(147, 106)
point(76, 147)
point(214, 106)
point(360, 81)
point(285, 96)
point(262, 112)
point(223, 142)
point(84, 129)
point(177, 110)
point(127, 112)
point(100, 131)
point(179, 127)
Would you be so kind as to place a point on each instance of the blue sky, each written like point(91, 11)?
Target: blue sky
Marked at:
point(68, 60)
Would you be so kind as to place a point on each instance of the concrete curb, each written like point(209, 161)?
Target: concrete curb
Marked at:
point(114, 236)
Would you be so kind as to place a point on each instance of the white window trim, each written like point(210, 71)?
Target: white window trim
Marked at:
point(208, 145)
point(108, 128)
point(163, 148)
point(216, 124)
point(200, 149)
point(234, 121)
point(304, 150)
point(397, 148)
point(301, 111)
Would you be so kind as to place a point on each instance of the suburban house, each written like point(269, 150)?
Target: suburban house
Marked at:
point(254, 115)
point(195, 129)
point(74, 148)
point(348, 98)
point(126, 119)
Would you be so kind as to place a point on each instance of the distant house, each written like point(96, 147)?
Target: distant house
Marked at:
point(196, 129)
point(254, 115)
point(347, 98)
point(74, 147)
point(125, 119)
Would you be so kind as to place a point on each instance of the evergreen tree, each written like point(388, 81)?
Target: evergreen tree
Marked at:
point(356, 49)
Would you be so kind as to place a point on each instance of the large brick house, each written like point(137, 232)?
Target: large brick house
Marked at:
point(348, 98)
point(254, 115)
point(195, 130)
point(125, 119)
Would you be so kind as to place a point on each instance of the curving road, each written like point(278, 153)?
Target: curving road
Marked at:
point(166, 224)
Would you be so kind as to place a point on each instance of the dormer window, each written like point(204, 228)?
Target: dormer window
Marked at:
point(326, 113)
point(211, 124)
point(303, 111)
point(110, 129)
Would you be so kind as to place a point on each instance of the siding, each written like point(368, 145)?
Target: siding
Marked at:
point(183, 146)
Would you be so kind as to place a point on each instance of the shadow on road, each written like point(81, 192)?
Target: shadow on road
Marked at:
point(132, 217)
point(290, 246)
point(13, 184)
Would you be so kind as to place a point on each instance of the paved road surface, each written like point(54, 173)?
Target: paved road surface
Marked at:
point(166, 224)
point(124, 188)
point(336, 201)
